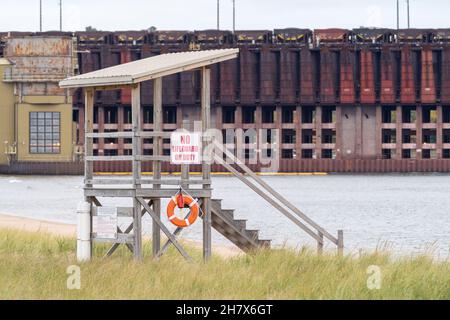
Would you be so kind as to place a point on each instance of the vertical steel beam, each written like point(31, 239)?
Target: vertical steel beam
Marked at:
point(359, 132)
point(419, 130)
point(378, 132)
point(398, 132)
point(339, 144)
point(206, 163)
point(299, 135)
point(318, 126)
point(157, 150)
point(137, 217)
point(439, 129)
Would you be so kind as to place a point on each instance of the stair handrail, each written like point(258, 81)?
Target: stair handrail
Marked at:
point(321, 231)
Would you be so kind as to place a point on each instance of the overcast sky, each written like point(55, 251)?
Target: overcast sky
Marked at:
point(23, 15)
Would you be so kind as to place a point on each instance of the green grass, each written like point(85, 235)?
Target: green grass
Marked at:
point(33, 266)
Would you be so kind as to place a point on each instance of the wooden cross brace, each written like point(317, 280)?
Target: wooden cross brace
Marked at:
point(169, 235)
point(127, 230)
point(177, 231)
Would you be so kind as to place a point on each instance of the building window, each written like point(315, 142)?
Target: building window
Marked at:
point(389, 115)
point(287, 154)
point(127, 118)
point(268, 114)
point(110, 116)
point(428, 154)
point(228, 114)
point(406, 154)
point(328, 136)
point(387, 153)
point(45, 132)
point(409, 136)
point(446, 154)
point(446, 114)
point(429, 115)
point(429, 136)
point(288, 136)
point(248, 114)
point(288, 114)
point(328, 115)
point(389, 136)
point(110, 152)
point(409, 115)
point(307, 136)
point(446, 135)
point(148, 114)
point(307, 153)
point(170, 115)
point(327, 154)
point(308, 114)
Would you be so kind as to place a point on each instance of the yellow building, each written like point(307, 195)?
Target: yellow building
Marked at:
point(7, 148)
point(36, 115)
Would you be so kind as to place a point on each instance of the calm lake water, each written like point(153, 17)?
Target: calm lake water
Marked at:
point(409, 214)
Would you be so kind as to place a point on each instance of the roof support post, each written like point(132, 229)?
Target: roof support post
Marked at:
point(88, 142)
point(206, 161)
point(157, 151)
point(137, 217)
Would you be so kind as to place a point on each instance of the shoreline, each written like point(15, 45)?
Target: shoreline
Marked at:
point(12, 222)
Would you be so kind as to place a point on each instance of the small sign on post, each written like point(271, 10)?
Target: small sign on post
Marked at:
point(105, 223)
point(185, 148)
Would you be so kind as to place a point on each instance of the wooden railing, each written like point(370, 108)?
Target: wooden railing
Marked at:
point(280, 203)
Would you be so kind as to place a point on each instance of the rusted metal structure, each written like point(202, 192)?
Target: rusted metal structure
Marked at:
point(374, 85)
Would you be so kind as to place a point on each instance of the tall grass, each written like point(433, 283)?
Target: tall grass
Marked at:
point(33, 266)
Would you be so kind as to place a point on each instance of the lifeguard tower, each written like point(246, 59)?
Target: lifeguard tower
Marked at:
point(147, 193)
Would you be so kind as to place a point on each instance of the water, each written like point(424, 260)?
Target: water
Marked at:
point(408, 213)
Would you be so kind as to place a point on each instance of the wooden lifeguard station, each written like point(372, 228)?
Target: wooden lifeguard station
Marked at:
point(147, 193)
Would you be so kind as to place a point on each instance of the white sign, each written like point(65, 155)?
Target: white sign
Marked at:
point(185, 148)
point(105, 223)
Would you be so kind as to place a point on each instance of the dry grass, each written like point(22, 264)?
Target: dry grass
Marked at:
point(33, 266)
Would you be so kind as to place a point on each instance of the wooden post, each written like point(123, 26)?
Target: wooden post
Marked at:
point(185, 167)
point(89, 148)
point(340, 242)
point(88, 142)
point(206, 165)
point(320, 243)
point(137, 217)
point(157, 151)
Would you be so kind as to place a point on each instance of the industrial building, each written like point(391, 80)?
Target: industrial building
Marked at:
point(361, 100)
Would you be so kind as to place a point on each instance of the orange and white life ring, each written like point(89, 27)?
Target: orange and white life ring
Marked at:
point(182, 201)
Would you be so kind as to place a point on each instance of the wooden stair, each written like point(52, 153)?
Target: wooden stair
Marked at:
point(235, 230)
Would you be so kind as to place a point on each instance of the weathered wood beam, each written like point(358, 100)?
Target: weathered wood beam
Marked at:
point(157, 151)
point(169, 235)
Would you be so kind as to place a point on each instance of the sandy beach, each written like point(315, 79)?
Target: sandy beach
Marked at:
point(70, 230)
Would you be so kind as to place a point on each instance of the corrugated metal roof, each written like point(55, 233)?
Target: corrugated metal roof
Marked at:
point(149, 68)
point(4, 62)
